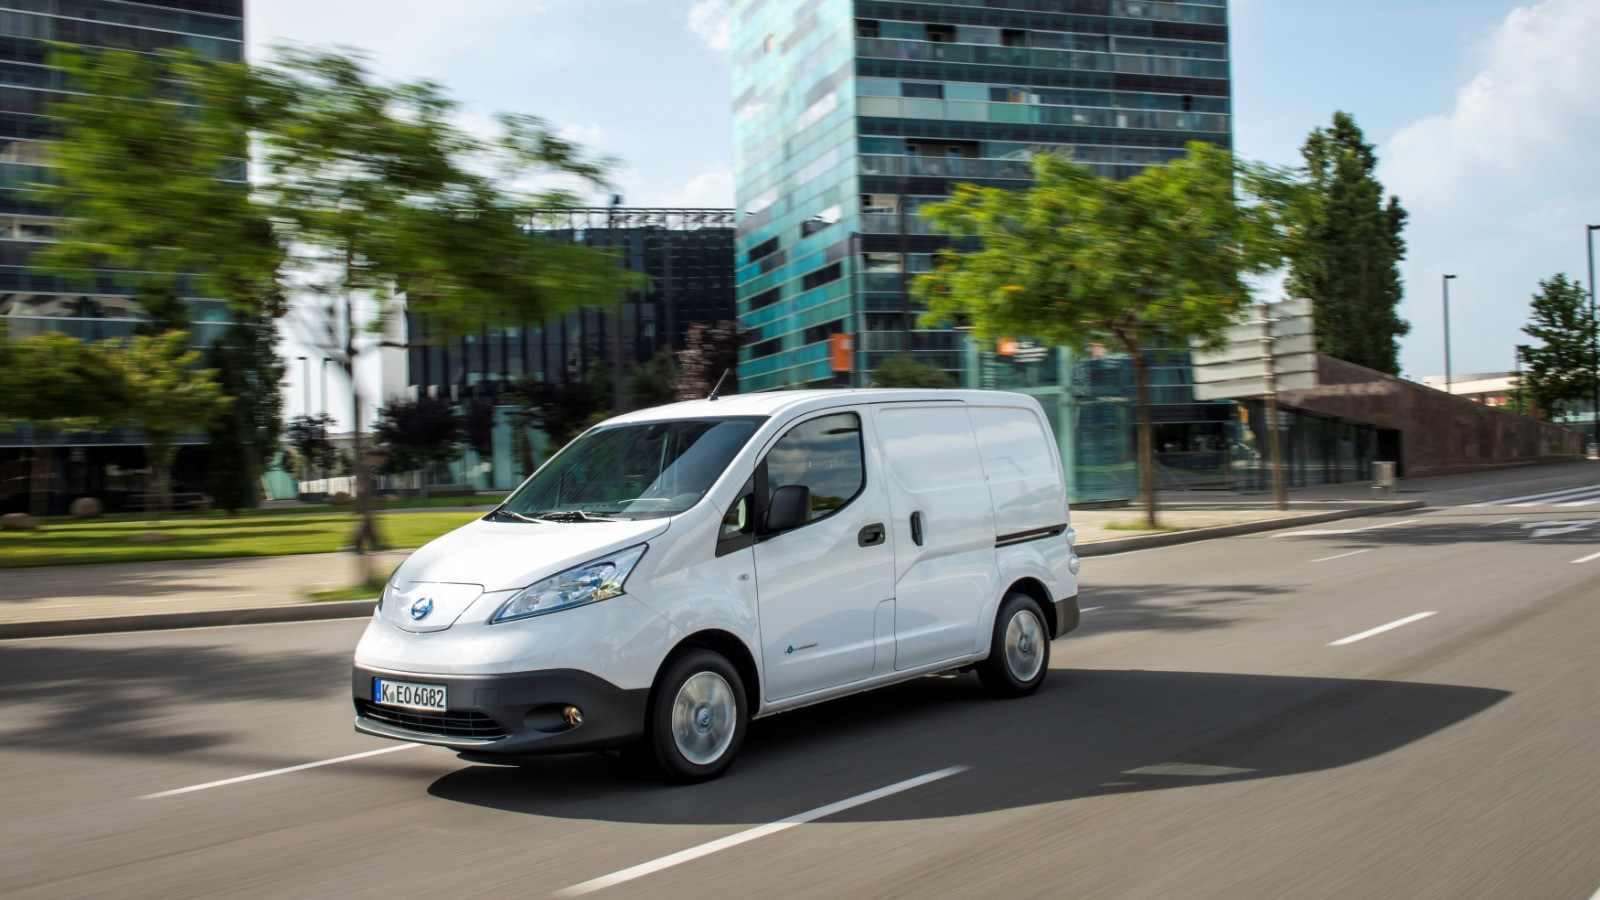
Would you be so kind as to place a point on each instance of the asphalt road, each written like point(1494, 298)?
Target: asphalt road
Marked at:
point(1210, 731)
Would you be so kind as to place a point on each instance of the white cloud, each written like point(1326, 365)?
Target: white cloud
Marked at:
point(1531, 107)
point(1499, 186)
point(590, 135)
point(708, 190)
point(709, 20)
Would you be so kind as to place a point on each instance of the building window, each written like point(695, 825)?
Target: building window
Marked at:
point(821, 277)
point(922, 89)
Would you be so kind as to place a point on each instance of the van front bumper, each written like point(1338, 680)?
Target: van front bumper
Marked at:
point(517, 713)
point(1067, 615)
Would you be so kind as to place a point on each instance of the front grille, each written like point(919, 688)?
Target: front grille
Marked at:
point(450, 724)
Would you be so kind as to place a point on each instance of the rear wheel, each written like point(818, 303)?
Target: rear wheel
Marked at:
point(1019, 650)
point(697, 717)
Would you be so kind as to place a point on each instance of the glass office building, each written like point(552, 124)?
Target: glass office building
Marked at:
point(687, 255)
point(851, 115)
point(111, 464)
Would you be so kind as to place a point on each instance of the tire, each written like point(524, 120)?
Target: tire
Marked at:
point(1019, 650)
point(697, 718)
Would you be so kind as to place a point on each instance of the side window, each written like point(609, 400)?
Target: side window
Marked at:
point(823, 454)
point(738, 523)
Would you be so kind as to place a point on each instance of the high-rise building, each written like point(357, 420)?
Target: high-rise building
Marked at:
point(108, 465)
point(851, 115)
point(687, 255)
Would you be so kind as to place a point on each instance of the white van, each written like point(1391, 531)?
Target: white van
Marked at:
point(675, 572)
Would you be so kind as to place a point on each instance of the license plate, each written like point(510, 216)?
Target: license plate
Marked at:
point(410, 696)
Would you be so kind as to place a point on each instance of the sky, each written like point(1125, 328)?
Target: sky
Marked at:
point(1485, 115)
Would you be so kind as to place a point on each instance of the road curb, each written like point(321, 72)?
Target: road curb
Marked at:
point(1148, 541)
point(299, 612)
point(351, 609)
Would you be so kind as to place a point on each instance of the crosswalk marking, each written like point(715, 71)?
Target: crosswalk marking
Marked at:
point(1578, 496)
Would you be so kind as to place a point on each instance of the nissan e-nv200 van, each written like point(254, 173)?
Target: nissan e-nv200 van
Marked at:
point(675, 572)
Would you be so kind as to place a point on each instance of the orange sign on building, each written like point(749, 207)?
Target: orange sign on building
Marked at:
point(1006, 347)
point(841, 351)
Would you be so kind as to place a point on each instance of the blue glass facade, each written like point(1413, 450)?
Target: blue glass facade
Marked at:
point(851, 115)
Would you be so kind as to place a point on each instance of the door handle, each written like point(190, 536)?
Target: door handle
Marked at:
point(916, 528)
point(870, 536)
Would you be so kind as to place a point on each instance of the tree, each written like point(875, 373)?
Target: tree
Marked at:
point(54, 383)
point(153, 195)
point(166, 395)
point(653, 382)
point(709, 351)
point(416, 434)
point(1346, 254)
point(903, 371)
point(245, 437)
point(308, 436)
point(1151, 261)
point(1563, 369)
point(380, 194)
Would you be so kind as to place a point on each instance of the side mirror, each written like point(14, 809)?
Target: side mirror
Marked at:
point(790, 507)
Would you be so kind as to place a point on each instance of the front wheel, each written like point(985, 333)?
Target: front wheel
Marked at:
point(1019, 651)
point(697, 718)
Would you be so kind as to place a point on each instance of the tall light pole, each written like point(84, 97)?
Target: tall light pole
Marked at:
point(325, 361)
point(1594, 328)
point(1445, 281)
point(305, 378)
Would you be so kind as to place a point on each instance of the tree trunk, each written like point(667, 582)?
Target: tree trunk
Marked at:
point(159, 453)
point(1147, 448)
point(366, 537)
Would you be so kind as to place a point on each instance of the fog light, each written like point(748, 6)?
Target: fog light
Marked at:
point(1073, 564)
point(572, 715)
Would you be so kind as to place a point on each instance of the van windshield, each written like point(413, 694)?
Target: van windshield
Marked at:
point(645, 471)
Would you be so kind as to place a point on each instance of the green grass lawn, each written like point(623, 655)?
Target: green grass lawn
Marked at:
point(66, 542)
point(483, 500)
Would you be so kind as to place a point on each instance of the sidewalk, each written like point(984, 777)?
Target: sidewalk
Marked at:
point(72, 594)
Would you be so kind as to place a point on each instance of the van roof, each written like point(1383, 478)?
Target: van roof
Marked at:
point(771, 403)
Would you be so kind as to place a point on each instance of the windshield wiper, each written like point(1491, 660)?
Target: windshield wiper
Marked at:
point(515, 515)
point(576, 515)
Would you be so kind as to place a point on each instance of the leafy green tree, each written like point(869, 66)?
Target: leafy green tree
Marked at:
point(166, 394)
point(903, 371)
point(55, 384)
point(1346, 254)
point(381, 194)
point(1151, 261)
point(1563, 368)
point(308, 436)
point(245, 437)
point(152, 195)
point(417, 434)
point(653, 382)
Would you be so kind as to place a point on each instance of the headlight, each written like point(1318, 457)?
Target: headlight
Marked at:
point(585, 584)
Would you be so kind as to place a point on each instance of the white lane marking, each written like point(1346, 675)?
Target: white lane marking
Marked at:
point(1584, 559)
point(285, 771)
point(1091, 608)
point(760, 831)
point(1560, 526)
point(1343, 555)
point(1344, 530)
point(1590, 501)
point(1501, 521)
point(1380, 629)
point(1537, 498)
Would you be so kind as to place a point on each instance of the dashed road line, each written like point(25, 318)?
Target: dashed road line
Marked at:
point(1584, 559)
point(1581, 495)
point(1343, 555)
point(1380, 629)
point(1332, 531)
point(283, 771)
point(760, 831)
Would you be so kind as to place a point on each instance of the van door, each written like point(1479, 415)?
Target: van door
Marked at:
point(820, 584)
point(943, 529)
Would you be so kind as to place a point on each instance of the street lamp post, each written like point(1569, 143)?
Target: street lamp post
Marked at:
point(325, 361)
point(1594, 328)
point(305, 379)
point(1445, 281)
